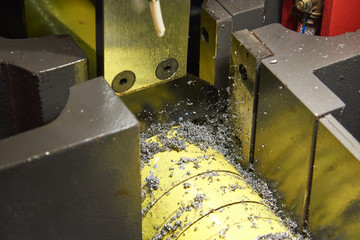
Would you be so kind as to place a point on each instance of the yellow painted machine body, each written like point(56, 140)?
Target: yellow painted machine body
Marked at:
point(200, 195)
point(130, 43)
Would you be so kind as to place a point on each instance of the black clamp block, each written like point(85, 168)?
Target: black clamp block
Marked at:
point(77, 177)
point(35, 76)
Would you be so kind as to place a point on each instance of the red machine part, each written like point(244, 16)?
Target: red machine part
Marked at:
point(338, 16)
point(288, 19)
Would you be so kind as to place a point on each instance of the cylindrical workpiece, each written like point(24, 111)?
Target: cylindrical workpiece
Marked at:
point(190, 192)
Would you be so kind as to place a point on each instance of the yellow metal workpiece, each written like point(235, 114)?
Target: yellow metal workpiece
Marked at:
point(202, 196)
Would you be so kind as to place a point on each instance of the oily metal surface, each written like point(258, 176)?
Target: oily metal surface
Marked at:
point(216, 28)
point(335, 196)
point(246, 54)
point(77, 177)
point(179, 100)
point(52, 17)
point(130, 42)
point(35, 77)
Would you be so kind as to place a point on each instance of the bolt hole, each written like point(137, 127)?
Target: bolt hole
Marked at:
point(123, 81)
point(242, 72)
point(204, 35)
point(167, 69)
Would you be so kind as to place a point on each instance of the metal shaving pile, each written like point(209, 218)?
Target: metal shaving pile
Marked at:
point(276, 236)
point(173, 224)
point(217, 133)
point(152, 182)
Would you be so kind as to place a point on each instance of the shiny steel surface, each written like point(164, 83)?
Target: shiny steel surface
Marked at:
point(131, 43)
point(335, 197)
point(246, 54)
point(53, 17)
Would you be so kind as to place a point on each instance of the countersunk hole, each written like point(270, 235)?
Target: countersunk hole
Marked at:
point(242, 72)
point(123, 81)
point(204, 35)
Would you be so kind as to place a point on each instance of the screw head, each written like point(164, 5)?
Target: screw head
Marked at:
point(123, 81)
point(166, 68)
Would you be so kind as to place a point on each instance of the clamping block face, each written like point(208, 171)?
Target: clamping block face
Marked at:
point(69, 160)
point(77, 177)
point(306, 138)
point(35, 77)
point(246, 55)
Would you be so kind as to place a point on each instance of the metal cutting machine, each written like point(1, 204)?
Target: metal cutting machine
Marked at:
point(81, 79)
